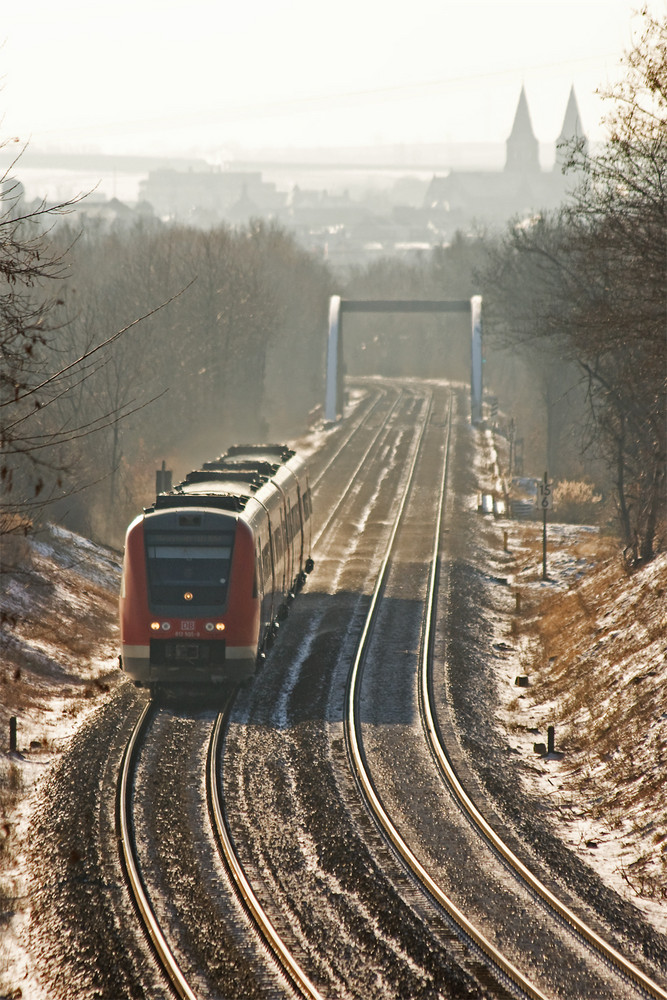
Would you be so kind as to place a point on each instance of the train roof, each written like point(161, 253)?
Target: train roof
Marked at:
point(228, 482)
point(219, 501)
point(274, 453)
point(251, 479)
point(243, 465)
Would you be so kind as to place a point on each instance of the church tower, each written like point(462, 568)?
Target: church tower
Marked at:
point(522, 146)
point(572, 130)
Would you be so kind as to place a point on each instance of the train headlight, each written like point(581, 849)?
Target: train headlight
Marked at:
point(155, 626)
point(187, 596)
point(220, 626)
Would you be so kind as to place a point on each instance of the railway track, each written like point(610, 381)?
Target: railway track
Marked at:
point(506, 970)
point(631, 976)
point(503, 976)
point(165, 952)
point(265, 926)
point(132, 864)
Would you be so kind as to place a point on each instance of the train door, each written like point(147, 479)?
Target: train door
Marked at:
point(285, 549)
point(270, 551)
point(259, 572)
point(291, 572)
point(301, 528)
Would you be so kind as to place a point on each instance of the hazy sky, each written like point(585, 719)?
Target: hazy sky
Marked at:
point(185, 76)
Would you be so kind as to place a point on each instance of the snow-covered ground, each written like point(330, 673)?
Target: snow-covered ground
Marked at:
point(58, 660)
point(59, 643)
point(590, 644)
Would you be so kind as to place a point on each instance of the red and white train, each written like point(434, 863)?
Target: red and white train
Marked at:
point(209, 569)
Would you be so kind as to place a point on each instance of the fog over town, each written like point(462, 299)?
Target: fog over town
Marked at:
point(368, 104)
point(341, 144)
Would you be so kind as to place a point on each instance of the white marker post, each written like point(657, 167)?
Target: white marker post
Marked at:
point(546, 502)
point(476, 389)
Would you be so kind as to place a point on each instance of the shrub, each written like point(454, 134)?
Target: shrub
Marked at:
point(577, 502)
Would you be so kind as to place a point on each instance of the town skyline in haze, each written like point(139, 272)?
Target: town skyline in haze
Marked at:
point(215, 79)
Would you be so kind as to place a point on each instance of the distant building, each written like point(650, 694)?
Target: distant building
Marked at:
point(211, 195)
point(462, 198)
point(522, 146)
point(572, 130)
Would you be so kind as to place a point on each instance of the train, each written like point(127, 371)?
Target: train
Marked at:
point(209, 570)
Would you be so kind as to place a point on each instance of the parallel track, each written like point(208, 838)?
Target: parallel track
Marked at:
point(434, 738)
point(361, 770)
point(362, 773)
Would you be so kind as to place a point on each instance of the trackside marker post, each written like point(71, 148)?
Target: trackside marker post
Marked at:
point(546, 501)
point(476, 391)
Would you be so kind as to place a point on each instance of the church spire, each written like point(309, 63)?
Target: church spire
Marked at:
point(572, 130)
point(522, 146)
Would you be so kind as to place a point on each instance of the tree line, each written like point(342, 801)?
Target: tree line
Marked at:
point(120, 349)
point(159, 343)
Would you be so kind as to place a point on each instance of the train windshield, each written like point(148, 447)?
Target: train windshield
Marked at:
point(188, 570)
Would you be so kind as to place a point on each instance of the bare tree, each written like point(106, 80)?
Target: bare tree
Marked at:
point(42, 370)
point(27, 266)
point(588, 285)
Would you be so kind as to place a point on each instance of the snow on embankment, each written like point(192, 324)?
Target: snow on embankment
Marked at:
point(599, 675)
point(585, 652)
point(58, 659)
point(58, 631)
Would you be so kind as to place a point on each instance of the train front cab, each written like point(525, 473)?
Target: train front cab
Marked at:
point(189, 603)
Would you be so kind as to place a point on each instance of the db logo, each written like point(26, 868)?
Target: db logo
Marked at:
point(187, 626)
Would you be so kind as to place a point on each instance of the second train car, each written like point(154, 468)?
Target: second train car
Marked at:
point(209, 569)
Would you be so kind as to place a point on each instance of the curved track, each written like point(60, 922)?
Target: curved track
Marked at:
point(132, 864)
point(633, 977)
point(262, 921)
point(362, 771)
point(146, 910)
point(505, 976)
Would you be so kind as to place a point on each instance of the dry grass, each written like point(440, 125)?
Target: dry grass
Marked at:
point(599, 657)
point(578, 503)
point(11, 790)
point(58, 629)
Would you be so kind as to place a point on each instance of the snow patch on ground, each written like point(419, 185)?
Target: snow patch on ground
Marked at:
point(622, 651)
point(58, 660)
